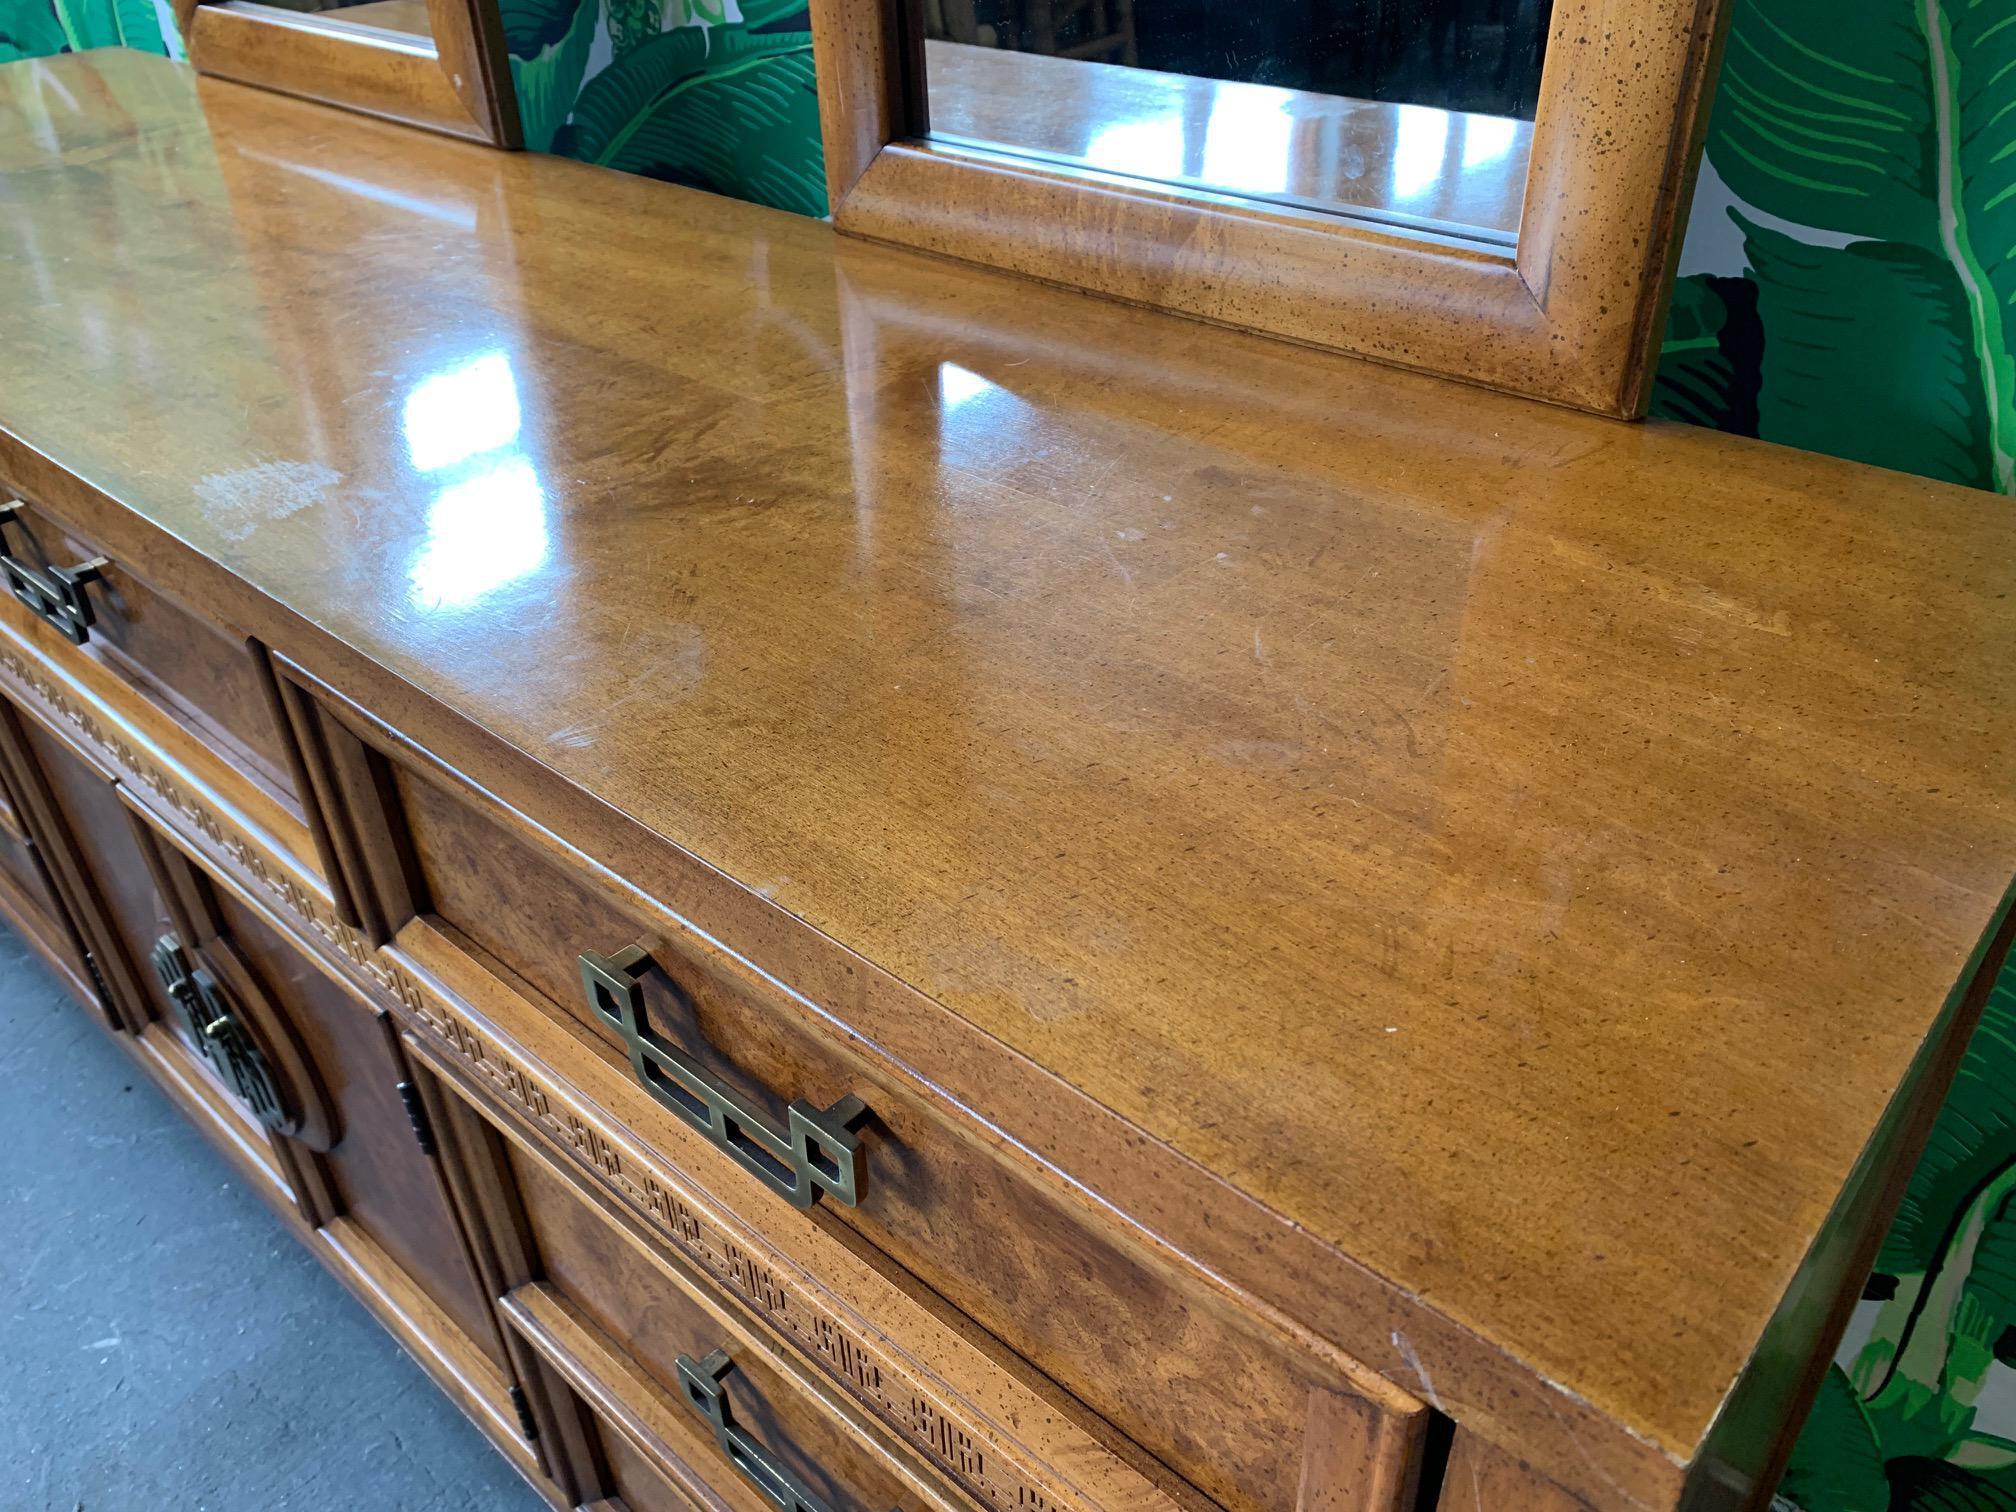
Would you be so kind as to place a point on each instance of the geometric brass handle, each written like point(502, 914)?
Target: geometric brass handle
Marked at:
point(707, 1395)
point(216, 1033)
point(817, 1152)
point(58, 595)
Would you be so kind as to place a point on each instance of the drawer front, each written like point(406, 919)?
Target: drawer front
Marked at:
point(619, 1313)
point(649, 1384)
point(979, 1418)
point(1221, 1396)
point(1482, 1475)
point(201, 674)
point(637, 1482)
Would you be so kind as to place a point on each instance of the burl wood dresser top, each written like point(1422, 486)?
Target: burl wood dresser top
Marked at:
point(1510, 860)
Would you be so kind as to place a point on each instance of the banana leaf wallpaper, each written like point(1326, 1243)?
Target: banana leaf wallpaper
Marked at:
point(38, 28)
point(1919, 1412)
point(1848, 285)
point(1849, 280)
point(715, 94)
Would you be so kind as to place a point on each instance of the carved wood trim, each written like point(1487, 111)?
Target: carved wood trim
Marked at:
point(211, 829)
point(898, 1389)
point(978, 1454)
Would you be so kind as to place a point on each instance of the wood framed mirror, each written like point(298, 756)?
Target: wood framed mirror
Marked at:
point(437, 64)
point(1489, 190)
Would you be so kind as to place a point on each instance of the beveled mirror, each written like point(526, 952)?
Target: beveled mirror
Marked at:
point(437, 64)
point(1486, 189)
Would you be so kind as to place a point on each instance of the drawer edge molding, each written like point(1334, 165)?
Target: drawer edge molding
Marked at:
point(1390, 1346)
point(232, 841)
point(653, 1417)
point(223, 836)
point(914, 1401)
point(229, 841)
point(620, 1397)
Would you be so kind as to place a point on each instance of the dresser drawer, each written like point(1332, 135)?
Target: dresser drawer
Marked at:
point(925, 1381)
point(633, 1326)
point(659, 1388)
point(1241, 1408)
point(203, 675)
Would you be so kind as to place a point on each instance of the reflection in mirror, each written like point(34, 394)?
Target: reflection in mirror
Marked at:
point(430, 63)
point(406, 17)
point(1414, 113)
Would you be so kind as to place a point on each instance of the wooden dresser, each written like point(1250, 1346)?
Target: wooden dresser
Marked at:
point(834, 881)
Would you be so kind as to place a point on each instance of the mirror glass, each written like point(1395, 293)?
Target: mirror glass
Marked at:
point(1417, 113)
point(406, 17)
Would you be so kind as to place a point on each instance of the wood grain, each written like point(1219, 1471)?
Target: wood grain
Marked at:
point(866, 47)
point(202, 674)
point(965, 1406)
point(650, 1441)
point(1015, 1260)
point(269, 1166)
point(441, 81)
point(1332, 151)
point(1363, 834)
point(57, 903)
point(44, 925)
point(1357, 1459)
point(1571, 315)
point(1482, 1478)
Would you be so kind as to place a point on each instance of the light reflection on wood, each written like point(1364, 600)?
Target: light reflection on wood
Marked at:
point(1243, 139)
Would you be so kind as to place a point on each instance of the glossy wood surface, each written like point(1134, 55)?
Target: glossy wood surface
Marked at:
point(202, 675)
point(1570, 313)
point(1408, 162)
point(436, 64)
point(1525, 853)
point(1032, 1270)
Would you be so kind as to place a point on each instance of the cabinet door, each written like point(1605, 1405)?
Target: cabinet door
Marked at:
point(79, 828)
point(294, 1071)
point(345, 1105)
point(28, 893)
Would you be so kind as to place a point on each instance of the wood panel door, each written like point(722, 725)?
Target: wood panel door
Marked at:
point(28, 891)
point(286, 1064)
point(81, 829)
point(346, 1112)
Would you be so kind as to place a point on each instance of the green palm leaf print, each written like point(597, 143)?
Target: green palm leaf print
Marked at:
point(1892, 121)
point(719, 108)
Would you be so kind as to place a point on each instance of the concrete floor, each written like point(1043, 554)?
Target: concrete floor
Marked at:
point(164, 1343)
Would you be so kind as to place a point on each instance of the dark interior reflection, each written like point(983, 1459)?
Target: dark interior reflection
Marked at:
point(1464, 55)
point(408, 17)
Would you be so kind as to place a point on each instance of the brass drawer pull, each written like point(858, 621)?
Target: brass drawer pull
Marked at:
point(56, 595)
point(817, 1152)
point(708, 1396)
point(216, 1032)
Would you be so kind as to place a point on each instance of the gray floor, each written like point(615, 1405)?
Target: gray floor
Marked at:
point(164, 1343)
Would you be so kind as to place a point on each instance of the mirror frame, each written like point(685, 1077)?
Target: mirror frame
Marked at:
point(459, 85)
point(1571, 314)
